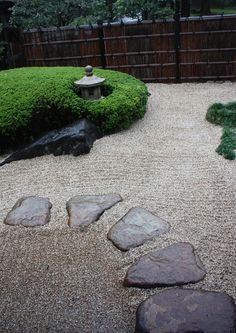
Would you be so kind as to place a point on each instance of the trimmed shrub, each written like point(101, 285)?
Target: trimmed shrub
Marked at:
point(222, 114)
point(227, 146)
point(225, 115)
point(38, 99)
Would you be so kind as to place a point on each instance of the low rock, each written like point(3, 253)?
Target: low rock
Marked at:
point(30, 212)
point(135, 228)
point(75, 139)
point(176, 264)
point(185, 310)
point(86, 209)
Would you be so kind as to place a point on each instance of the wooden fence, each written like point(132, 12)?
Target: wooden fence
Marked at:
point(178, 50)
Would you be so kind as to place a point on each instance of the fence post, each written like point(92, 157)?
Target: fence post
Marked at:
point(177, 40)
point(101, 43)
point(7, 51)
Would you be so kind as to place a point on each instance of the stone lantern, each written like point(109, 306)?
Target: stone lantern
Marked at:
point(90, 85)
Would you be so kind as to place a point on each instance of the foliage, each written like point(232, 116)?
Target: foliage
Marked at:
point(34, 100)
point(222, 114)
point(151, 9)
point(35, 13)
point(217, 11)
point(227, 147)
point(225, 115)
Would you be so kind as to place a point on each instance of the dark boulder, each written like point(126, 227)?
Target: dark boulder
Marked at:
point(75, 139)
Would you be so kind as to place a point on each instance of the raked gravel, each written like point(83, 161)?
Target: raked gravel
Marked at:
point(56, 279)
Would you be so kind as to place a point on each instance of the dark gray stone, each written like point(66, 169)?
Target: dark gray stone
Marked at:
point(30, 212)
point(135, 228)
point(75, 139)
point(186, 311)
point(176, 264)
point(86, 209)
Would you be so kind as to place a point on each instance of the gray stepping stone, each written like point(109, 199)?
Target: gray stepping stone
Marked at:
point(30, 211)
point(176, 264)
point(86, 209)
point(135, 228)
point(185, 310)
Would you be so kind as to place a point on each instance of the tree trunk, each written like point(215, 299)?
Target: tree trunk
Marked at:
point(109, 4)
point(205, 7)
point(185, 8)
point(145, 15)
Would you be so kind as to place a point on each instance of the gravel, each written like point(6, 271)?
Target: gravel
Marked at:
point(56, 279)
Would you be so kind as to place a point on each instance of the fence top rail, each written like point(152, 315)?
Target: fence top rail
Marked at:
point(130, 23)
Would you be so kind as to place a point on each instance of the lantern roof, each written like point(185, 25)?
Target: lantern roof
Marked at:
point(89, 80)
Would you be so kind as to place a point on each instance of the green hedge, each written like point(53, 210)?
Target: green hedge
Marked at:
point(225, 115)
point(227, 146)
point(37, 99)
point(222, 114)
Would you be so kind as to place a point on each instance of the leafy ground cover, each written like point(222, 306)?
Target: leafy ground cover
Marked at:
point(225, 115)
point(34, 100)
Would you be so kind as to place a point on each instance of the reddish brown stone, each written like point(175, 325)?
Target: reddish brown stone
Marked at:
point(176, 264)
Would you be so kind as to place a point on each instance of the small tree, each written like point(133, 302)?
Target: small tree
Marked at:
point(144, 9)
point(35, 13)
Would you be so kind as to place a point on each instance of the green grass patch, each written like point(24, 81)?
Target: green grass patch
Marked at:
point(35, 100)
point(225, 115)
point(217, 11)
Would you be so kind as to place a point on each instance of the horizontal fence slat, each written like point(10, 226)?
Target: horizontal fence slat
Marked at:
point(75, 41)
point(66, 58)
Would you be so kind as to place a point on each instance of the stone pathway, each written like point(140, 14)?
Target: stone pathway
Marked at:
point(185, 311)
point(86, 209)
point(135, 228)
point(30, 212)
point(173, 310)
point(176, 264)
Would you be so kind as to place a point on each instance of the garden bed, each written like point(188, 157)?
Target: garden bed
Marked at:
point(35, 100)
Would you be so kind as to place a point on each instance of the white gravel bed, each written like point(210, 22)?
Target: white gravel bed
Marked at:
point(56, 279)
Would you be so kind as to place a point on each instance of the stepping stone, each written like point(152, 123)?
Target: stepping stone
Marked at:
point(135, 228)
point(176, 264)
point(30, 212)
point(86, 209)
point(185, 310)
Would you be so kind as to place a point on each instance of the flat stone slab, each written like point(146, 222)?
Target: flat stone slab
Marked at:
point(185, 310)
point(30, 211)
point(135, 228)
point(86, 209)
point(176, 264)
